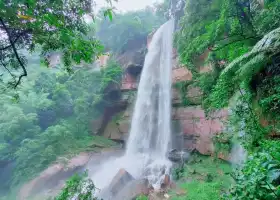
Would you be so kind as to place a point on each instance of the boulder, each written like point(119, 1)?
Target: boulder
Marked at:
point(178, 156)
point(158, 195)
point(120, 180)
point(166, 182)
point(124, 126)
point(132, 190)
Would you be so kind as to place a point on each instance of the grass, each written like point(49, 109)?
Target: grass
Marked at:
point(204, 178)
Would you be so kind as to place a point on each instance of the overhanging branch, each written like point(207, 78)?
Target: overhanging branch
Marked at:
point(15, 52)
point(4, 65)
point(18, 36)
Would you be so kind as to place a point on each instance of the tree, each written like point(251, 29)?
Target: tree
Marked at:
point(128, 29)
point(47, 26)
point(226, 29)
point(78, 187)
point(53, 117)
point(229, 28)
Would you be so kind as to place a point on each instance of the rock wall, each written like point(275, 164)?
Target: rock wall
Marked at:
point(197, 128)
point(192, 128)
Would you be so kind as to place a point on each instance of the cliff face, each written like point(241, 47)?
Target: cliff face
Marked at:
point(192, 129)
point(115, 122)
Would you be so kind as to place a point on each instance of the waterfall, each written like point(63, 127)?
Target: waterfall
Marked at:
point(150, 129)
point(150, 134)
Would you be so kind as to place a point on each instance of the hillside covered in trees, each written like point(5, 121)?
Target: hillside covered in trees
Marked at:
point(240, 42)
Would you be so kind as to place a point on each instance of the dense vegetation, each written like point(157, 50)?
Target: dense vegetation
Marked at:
point(202, 178)
point(48, 26)
point(78, 186)
point(232, 49)
point(130, 28)
point(50, 113)
point(53, 117)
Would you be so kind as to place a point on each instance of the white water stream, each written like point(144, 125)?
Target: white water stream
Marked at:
point(150, 134)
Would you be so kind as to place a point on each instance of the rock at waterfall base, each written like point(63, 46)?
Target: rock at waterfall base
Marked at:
point(178, 156)
point(133, 189)
point(166, 181)
point(119, 181)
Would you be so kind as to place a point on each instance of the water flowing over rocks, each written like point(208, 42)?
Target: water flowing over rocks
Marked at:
point(150, 134)
point(194, 129)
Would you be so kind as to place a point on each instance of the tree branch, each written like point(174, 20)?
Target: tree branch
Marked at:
point(4, 65)
point(16, 54)
point(18, 36)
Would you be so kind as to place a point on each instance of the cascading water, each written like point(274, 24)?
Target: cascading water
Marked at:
point(150, 135)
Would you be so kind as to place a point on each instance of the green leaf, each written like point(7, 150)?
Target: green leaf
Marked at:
point(274, 175)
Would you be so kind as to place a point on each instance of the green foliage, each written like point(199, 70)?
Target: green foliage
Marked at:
point(226, 30)
point(129, 29)
point(53, 118)
point(267, 18)
point(204, 178)
point(223, 143)
point(182, 88)
point(251, 77)
point(142, 197)
point(259, 178)
point(78, 187)
point(226, 35)
point(269, 96)
point(205, 24)
point(29, 25)
point(235, 77)
point(178, 172)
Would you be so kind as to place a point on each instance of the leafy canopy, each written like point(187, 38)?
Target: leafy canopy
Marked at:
point(54, 117)
point(128, 29)
point(47, 26)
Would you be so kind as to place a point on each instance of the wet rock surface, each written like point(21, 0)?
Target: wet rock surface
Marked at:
point(133, 189)
point(198, 128)
point(178, 156)
point(121, 179)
